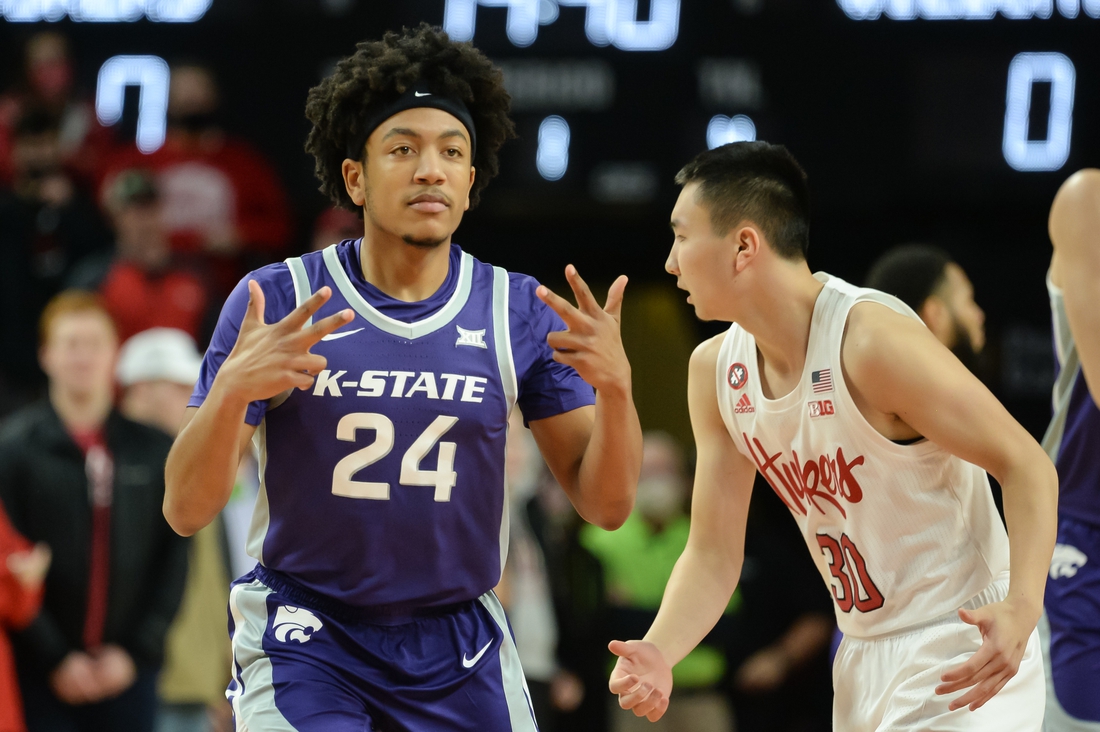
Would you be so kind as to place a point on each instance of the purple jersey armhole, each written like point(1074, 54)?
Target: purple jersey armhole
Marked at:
point(278, 302)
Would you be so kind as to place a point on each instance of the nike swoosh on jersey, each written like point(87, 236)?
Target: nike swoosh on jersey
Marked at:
point(338, 336)
point(469, 662)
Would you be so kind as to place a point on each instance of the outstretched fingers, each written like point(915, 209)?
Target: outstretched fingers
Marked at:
point(314, 333)
point(614, 304)
point(586, 302)
point(560, 305)
point(254, 312)
point(298, 317)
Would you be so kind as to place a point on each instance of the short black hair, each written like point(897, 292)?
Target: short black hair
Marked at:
point(381, 71)
point(759, 182)
point(910, 272)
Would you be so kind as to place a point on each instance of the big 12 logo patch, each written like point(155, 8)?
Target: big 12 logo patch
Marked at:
point(823, 408)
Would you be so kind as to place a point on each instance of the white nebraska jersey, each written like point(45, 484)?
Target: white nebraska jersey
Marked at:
point(902, 534)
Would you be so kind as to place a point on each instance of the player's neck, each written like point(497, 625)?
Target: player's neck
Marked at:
point(403, 271)
point(779, 319)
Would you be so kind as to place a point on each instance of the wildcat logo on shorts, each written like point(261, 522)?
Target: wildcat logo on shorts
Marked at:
point(295, 624)
point(737, 376)
point(1066, 561)
point(823, 408)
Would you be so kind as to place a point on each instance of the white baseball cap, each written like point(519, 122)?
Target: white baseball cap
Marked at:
point(159, 354)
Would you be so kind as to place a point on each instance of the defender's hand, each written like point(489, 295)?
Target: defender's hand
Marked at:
point(270, 359)
point(1005, 633)
point(642, 678)
point(592, 344)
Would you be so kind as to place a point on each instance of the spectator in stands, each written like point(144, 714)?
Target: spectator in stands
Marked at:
point(89, 483)
point(46, 225)
point(221, 199)
point(333, 226)
point(47, 84)
point(637, 560)
point(22, 569)
point(142, 285)
point(926, 279)
point(157, 370)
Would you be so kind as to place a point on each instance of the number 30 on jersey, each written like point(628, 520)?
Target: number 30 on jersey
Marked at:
point(443, 478)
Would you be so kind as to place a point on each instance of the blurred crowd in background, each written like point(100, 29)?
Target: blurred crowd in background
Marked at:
point(115, 264)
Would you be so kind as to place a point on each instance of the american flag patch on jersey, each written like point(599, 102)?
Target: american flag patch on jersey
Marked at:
point(822, 381)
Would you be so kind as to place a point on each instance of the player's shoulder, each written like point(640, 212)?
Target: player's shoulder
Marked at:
point(705, 354)
point(1075, 216)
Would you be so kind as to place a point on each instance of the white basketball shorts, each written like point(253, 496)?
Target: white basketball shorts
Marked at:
point(887, 684)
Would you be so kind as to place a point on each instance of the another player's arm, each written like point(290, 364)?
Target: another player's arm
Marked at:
point(265, 361)
point(1075, 232)
point(707, 572)
point(595, 453)
point(895, 366)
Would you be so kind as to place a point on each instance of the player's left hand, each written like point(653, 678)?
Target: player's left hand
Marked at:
point(592, 344)
point(1005, 630)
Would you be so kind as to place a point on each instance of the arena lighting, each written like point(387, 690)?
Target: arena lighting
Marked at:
point(150, 75)
point(723, 130)
point(552, 158)
point(104, 11)
point(1051, 153)
point(607, 22)
point(966, 9)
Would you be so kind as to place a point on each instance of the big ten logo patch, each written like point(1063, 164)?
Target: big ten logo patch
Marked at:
point(823, 408)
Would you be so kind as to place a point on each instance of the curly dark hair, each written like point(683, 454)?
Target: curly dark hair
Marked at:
point(381, 71)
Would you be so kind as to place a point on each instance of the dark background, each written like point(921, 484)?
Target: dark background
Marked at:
point(899, 125)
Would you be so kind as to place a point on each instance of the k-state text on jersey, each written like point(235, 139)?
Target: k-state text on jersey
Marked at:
point(403, 385)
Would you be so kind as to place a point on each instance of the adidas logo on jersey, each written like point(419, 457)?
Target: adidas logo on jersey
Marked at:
point(295, 624)
point(743, 406)
point(823, 408)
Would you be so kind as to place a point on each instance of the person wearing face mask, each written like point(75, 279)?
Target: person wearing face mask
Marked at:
point(47, 84)
point(637, 561)
point(222, 201)
point(926, 279)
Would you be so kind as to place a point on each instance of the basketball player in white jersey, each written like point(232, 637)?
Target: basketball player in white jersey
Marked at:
point(878, 440)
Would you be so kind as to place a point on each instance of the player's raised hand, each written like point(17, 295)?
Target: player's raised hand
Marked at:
point(642, 678)
point(270, 359)
point(592, 344)
point(1005, 632)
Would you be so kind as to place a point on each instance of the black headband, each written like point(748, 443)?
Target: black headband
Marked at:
point(414, 97)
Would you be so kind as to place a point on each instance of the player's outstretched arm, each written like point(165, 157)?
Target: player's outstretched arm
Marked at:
point(1075, 232)
point(595, 453)
point(894, 365)
point(707, 572)
point(265, 361)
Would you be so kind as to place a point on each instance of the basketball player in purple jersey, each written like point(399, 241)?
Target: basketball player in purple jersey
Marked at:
point(376, 378)
point(878, 440)
point(1073, 442)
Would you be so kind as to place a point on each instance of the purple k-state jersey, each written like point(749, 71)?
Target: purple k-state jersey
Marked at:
point(383, 484)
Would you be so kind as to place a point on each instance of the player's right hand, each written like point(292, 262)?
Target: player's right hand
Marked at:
point(270, 359)
point(642, 678)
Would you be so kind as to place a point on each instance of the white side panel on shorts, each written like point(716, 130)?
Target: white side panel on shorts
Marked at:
point(520, 714)
point(253, 702)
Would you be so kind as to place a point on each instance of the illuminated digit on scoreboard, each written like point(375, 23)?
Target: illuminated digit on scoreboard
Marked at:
point(150, 75)
point(722, 130)
point(607, 22)
point(1051, 153)
point(552, 158)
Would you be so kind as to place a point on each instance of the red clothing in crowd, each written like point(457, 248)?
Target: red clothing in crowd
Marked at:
point(138, 300)
point(220, 189)
point(18, 606)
